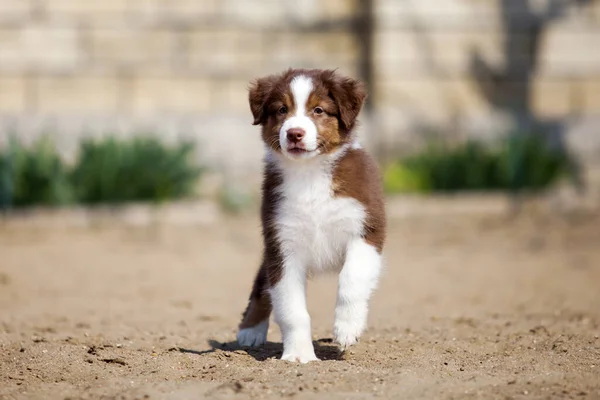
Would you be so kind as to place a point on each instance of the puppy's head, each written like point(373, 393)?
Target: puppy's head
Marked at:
point(305, 113)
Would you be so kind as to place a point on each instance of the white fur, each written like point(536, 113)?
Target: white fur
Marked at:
point(288, 297)
point(301, 87)
point(312, 225)
point(319, 232)
point(254, 336)
point(356, 145)
point(357, 281)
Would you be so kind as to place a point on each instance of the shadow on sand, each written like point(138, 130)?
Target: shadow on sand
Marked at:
point(324, 349)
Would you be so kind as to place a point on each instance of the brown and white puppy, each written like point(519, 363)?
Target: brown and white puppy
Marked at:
point(322, 208)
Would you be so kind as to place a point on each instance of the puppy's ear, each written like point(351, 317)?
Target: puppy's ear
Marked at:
point(349, 95)
point(259, 93)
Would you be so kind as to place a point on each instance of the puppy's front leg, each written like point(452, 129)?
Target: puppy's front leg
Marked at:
point(288, 297)
point(357, 280)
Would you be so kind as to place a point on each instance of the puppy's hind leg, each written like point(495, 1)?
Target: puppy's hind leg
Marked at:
point(255, 321)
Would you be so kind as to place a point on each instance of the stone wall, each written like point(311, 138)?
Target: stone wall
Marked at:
point(176, 67)
point(426, 53)
point(181, 67)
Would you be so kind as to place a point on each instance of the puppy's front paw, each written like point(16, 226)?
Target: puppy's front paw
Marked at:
point(346, 333)
point(301, 351)
point(254, 336)
point(302, 357)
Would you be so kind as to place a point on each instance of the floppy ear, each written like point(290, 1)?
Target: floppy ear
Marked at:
point(259, 93)
point(349, 95)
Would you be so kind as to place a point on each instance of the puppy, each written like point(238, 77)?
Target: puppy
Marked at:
point(322, 208)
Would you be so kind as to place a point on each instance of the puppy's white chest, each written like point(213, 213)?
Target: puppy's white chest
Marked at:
point(313, 226)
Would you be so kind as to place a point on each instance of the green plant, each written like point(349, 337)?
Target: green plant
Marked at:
point(33, 175)
point(137, 169)
point(528, 163)
point(520, 162)
point(399, 178)
point(5, 181)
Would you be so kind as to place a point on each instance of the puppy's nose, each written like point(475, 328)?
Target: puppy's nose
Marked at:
point(295, 135)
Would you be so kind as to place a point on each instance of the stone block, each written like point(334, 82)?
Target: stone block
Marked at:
point(569, 49)
point(397, 54)
point(464, 97)
point(11, 10)
point(11, 50)
point(329, 44)
point(39, 48)
point(438, 14)
point(131, 47)
point(13, 92)
point(283, 13)
point(417, 54)
point(590, 89)
point(338, 9)
point(595, 10)
point(312, 50)
point(256, 12)
point(229, 96)
point(453, 52)
point(170, 95)
point(226, 51)
point(175, 11)
point(423, 98)
point(552, 98)
point(436, 98)
point(108, 13)
point(77, 94)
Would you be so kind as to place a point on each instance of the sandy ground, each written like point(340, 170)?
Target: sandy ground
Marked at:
point(469, 307)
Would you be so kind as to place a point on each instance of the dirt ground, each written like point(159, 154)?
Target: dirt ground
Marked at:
point(491, 307)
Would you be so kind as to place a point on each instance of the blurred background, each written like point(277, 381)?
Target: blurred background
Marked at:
point(139, 103)
point(437, 71)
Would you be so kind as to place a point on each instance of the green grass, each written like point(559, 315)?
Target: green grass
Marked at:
point(143, 169)
point(106, 171)
point(517, 163)
point(33, 175)
point(138, 169)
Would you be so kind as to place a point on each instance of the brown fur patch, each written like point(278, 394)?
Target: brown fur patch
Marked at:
point(329, 136)
point(259, 305)
point(349, 95)
point(340, 97)
point(266, 96)
point(356, 175)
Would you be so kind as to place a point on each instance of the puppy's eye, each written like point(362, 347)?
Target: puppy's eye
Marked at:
point(282, 110)
point(318, 110)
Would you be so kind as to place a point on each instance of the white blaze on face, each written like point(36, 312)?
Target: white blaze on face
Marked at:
point(301, 87)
